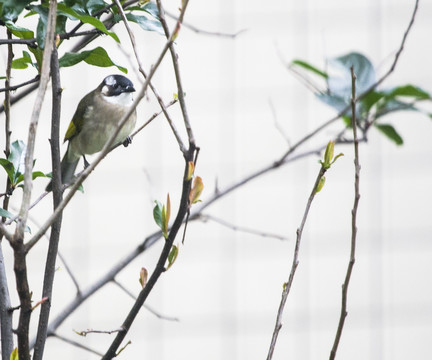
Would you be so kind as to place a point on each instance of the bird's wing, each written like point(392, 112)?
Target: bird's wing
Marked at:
point(77, 122)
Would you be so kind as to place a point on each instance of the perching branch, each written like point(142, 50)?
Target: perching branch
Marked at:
point(345, 285)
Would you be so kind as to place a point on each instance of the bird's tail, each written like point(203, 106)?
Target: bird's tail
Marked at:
point(68, 167)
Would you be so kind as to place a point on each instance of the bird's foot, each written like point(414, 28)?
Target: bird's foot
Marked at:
point(127, 141)
point(86, 163)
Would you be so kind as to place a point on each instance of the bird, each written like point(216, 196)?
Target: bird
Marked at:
point(95, 120)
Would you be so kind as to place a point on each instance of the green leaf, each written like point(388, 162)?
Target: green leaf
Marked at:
point(35, 175)
point(22, 62)
point(390, 132)
point(96, 57)
point(320, 184)
point(19, 32)
point(8, 166)
point(146, 23)
point(93, 6)
point(10, 9)
point(409, 91)
point(172, 256)
point(309, 67)
point(74, 15)
point(157, 213)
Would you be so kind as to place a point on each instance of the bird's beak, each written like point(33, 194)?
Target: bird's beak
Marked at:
point(129, 89)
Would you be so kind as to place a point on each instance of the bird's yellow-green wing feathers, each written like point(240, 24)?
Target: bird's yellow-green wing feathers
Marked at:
point(78, 119)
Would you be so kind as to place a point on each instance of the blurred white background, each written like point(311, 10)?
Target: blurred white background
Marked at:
point(226, 285)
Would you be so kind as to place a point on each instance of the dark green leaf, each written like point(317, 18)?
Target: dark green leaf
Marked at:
point(309, 67)
point(8, 166)
point(96, 57)
point(409, 91)
point(19, 32)
point(74, 15)
point(35, 175)
point(157, 213)
point(370, 100)
point(93, 6)
point(38, 54)
point(146, 23)
point(390, 132)
point(10, 9)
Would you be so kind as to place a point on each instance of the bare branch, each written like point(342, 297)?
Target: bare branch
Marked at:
point(154, 312)
point(91, 331)
point(207, 32)
point(57, 198)
point(295, 262)
point(15, 87)
point(351, 262)
point(76, 344)
point(20, 266)
point(234, 227)
point(141, 69)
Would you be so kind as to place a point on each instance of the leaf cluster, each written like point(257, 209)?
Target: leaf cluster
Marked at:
point(76, 13)
point(373, 104)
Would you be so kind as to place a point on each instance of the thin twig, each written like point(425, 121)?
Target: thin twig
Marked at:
point(205, 218)
point(345, 285)
point(154, 312)
point(15, 87)
point(174, 58)
point(207, 32)
point(142, 71)
point(92, 331)
point(295, 262)
point(76, 344)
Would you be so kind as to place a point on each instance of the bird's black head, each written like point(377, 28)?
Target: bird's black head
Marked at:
point(114, 85)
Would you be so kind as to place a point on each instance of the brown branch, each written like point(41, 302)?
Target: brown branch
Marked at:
point(57, 198)
point(5, 314)
point(15, 87)
point(344, 313)
point(174, 58)
point(20, 266)
point(295, 262)
point(182, 211)
point(76, 344)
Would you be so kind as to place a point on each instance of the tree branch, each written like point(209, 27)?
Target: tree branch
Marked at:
point(295, 262)
point(20, 266)
point(5, 314)
point(345, 285)
point(57, 198)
